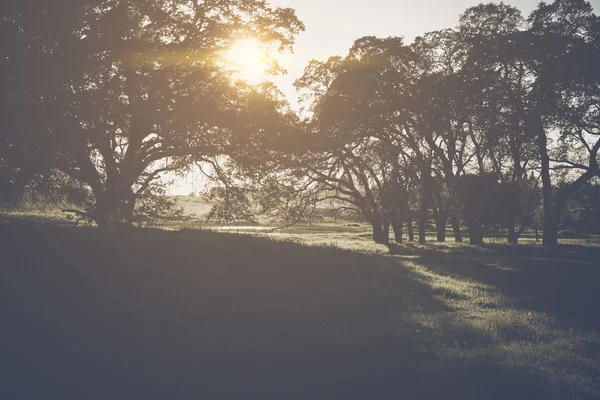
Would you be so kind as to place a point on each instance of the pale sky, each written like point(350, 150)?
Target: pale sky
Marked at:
point(333, 25)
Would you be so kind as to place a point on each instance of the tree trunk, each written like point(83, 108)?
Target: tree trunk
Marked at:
point(456, 229)
point(550, 234)
point(513, 235)
point(113, 207)
point(102, 209)
point(128, 208)
point(422, 216)
point(409, 220)
point(398, 227)
point(551, 224)
point(379, 232)
point(409, 227)
point(440, 225)
point(475, 236)
point(386, 231)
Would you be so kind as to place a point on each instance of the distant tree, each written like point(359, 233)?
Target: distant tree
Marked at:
point(356, 157)
point(497, 82)
point(539, 98)
point(480, 199)
point(582, 211)
point(563, 45)
point(588, 199)
point(518, 202)
point(499, 95)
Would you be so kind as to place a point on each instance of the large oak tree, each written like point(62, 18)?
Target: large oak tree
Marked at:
point(114, 93)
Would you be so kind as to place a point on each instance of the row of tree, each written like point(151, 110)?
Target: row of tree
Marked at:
point(478, 124)
point(473, 126)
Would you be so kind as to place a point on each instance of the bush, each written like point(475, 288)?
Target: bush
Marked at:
point(156, 209)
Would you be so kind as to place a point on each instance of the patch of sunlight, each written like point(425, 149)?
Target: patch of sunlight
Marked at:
point(406, 257)
point(242, 228)
point(499, 266)
point(484, 326)
point(345, 241)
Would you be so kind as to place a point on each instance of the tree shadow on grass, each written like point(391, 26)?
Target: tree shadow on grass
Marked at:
point(138, 313)
point(524, 302)
point(563, 281)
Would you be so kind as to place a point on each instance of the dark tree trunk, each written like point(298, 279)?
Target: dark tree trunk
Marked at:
point(128, 208)
point(551, 224)
point(422, 216)
point(113, 207)
point(475, 235)
point(380, 231)
point(409, 220)
point(398, 227)
point(386, 232)
point(102, 209)
point(550, 234)
point(440, 225)
point(409, 228)
point(456, 229)
point(422, 232)
point(100, 220)
point(513, 235)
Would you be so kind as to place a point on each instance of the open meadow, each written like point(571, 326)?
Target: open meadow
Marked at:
point(284, 199)
point(304, 313)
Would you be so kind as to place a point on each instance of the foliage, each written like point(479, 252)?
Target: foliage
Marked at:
point(481, 205)
point(232, 206)
point(154, 209)
point(125, 91)
point(483, 99)
point(582, 212)
point(492, 122)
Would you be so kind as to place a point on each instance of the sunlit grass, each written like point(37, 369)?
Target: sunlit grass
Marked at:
point(447, 300)
point(484, 326)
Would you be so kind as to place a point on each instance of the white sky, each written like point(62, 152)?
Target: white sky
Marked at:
point(333, 25)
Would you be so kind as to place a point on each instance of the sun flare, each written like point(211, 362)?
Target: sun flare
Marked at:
point(249, 59)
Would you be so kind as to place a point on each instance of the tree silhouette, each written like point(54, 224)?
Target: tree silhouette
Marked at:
point(108, 95)
point(124, 91)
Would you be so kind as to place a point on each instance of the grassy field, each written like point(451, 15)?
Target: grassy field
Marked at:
point(306, 314)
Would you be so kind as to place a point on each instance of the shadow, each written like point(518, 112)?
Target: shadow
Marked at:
point(561, 281)
point(140, 313)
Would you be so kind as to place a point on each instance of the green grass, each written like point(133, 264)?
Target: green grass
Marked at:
point(313, 312)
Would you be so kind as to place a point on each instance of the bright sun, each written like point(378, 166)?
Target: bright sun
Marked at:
point(249, 59)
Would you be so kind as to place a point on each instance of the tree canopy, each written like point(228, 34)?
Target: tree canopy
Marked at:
point(398, 130)
point(486, 125)
point(115, 93)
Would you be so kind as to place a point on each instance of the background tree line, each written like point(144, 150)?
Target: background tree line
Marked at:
point(494, 123)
